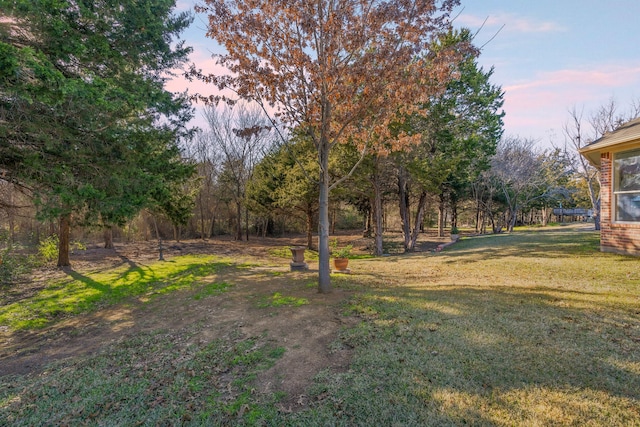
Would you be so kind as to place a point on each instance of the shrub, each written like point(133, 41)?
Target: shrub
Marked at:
point(48, 248)
point(13, 264)
point(344, 252)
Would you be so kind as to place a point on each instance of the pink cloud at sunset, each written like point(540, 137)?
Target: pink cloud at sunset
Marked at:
point(511, 22)
point(607, 76)
point(548, 56)
point(535, 107)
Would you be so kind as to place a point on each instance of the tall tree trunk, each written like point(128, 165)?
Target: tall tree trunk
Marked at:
point(11, 217)
point(212, 226)
point(596, 214)
point(202, 219)
point(108, 237)
point(403, 199)
point(238, 221)
point(478, 226)
point(324, 278)
point(441, 215)
point(377, 211)
point(513, 215)
point(309, 215)
point(246, 222)
point(454, 212)
point(64, 239)
point(12, 226)
point(422, 203)
point(368, 221)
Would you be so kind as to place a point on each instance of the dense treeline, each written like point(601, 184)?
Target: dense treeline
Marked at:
point(517, 184)
point(93, 147)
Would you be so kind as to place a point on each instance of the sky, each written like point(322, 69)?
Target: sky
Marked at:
point(549, 56)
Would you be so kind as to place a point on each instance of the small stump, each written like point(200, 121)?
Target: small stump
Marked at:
point(297, 255)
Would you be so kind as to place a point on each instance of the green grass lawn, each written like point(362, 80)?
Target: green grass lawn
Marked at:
point(531, 328)
point(81, 293)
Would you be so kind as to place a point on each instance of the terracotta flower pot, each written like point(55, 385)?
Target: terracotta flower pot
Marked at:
point(341, 263)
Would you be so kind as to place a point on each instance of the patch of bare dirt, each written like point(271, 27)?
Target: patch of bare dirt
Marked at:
point(306, 332)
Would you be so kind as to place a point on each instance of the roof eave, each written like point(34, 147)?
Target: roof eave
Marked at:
point(592, 152)
point(592, 155)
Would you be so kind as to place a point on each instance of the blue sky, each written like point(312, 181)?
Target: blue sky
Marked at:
point(554, 55)
point(549, 57)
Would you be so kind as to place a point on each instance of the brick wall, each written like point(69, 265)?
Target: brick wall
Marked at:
point(618, 238)
point(605, 187)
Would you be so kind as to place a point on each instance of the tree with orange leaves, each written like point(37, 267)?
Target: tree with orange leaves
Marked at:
point(336, 70)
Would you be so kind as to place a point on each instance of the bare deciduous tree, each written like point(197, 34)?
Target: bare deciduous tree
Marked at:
point(208, 161)
point(576, 138)
point(580, 132)
point(522, 175)
point(241, 134)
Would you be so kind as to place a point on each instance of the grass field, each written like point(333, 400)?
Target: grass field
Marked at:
point(531, 328)
point(80, 293)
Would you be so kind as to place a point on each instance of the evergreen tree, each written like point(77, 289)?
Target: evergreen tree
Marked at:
point(85, 122)
point(460, 131)
point(280, 183)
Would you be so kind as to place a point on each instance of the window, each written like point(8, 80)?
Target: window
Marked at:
point(626, 185)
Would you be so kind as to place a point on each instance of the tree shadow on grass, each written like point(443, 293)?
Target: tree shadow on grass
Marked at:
point(52, 331)
point(532, 244)
point(450, 347)
point(84, 292)
point(460, 353)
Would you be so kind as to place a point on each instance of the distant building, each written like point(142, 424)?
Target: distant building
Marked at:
point(573, 214)
point(617, 156)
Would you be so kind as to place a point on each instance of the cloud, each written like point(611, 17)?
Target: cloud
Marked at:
point(185, 5)
point(208, 66)
point(511, 23)
point(536, 106)
point(202, 58)
point(606, 76)
point(180, 83)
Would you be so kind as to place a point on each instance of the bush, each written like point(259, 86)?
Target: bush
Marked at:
point(13, 264)
point(48, 248)
point(15, 260)
point(344, 252)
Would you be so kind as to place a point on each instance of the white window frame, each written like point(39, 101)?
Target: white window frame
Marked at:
point(634, 186)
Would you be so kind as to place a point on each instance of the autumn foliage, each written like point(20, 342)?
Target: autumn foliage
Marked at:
point(336, 70)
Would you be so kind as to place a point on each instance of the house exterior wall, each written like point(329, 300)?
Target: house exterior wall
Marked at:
point(623, 238)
